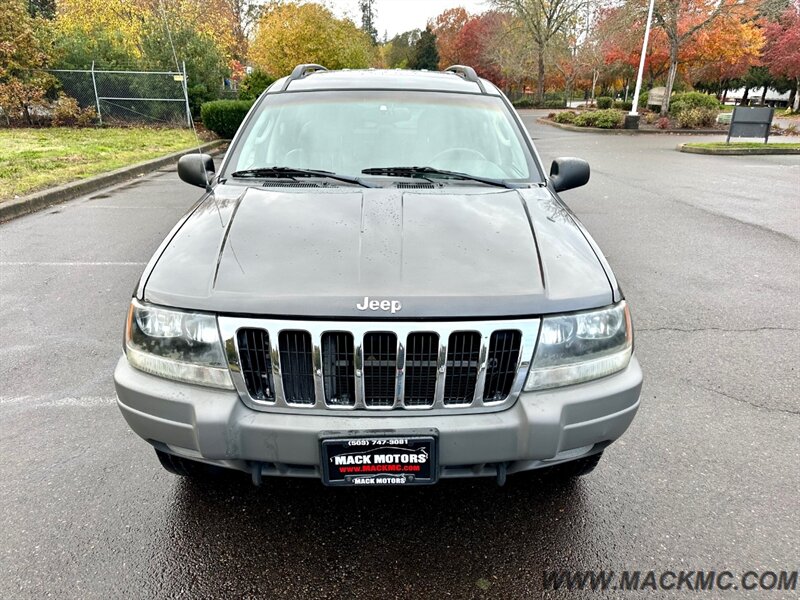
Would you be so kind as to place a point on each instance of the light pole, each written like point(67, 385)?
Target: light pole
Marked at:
point(632, 118)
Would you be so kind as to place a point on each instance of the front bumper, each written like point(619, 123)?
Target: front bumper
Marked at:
point(540, 429)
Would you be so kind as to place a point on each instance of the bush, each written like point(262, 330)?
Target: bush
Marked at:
point(604, 102)
point(223, 117)
point(688, 100)
point(553, 104)
point(523, 103)
point(253, 84)
point(643, 99)
point(697, 117)
point(604, 119)
point(622, 105)
point(67, 113)
point(565, 117)
point(663, 123)
point(650, 117)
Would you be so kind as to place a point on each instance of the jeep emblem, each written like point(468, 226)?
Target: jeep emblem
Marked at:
point(390, 305)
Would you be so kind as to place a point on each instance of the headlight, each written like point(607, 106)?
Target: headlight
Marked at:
point(580, 347)
point(179, 345)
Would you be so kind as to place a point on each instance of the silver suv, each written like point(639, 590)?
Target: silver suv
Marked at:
point(380, 286)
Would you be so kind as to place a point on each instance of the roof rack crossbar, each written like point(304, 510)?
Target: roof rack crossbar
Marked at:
point(468, 73)
point(301, 71)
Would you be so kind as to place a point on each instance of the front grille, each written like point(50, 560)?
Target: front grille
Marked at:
point(297, 367)
point(380, 369)
point(309, 364)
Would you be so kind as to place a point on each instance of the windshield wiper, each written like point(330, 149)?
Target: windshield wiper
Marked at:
point(432, 172)
point(294, 172)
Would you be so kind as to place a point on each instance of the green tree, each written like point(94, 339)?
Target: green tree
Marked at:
point(425, 55)
point(399, 50)
point(290, 34)
point(206, 67)
point(368, 19)
point(42, 8)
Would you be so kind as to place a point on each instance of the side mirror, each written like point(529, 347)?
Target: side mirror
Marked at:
point(196, 169)
point(568, 173)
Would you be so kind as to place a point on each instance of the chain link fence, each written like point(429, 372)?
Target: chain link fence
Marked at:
point(125, 97)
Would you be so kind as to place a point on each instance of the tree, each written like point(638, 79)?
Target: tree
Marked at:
point(782, 50)
point(399, 50)
point(290, 34)
point(681, 20)
point(544, 20)
point(448, 27)
point(42, 8)
point(22, 53)
point(206, 66)
point(368, 19)
point(477, 38)
point(425, 54)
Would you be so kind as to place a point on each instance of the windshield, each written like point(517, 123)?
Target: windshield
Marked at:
point(346, 132)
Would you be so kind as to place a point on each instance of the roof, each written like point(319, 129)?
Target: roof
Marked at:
point(385, 79)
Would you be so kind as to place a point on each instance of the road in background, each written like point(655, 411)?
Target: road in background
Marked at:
point(706, 249)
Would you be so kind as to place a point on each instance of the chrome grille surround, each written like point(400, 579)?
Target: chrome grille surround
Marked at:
point(229, 327)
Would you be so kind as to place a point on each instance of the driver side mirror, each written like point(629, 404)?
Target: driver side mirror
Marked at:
point(196, 169)
point(567, 173)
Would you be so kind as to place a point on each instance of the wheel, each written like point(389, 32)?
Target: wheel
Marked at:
point(575, 468)
point(184, 467)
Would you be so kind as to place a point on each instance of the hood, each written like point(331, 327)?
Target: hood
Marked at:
point(377, 253)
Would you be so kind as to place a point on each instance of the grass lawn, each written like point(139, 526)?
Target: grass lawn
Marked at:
point(744, 145)
point(34, 159)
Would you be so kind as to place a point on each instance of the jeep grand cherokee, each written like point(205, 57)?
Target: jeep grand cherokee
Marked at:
point(380, 285)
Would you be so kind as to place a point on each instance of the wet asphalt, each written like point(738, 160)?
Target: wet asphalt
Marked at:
point(707, 250)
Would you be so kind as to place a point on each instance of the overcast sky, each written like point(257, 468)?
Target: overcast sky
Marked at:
point(397, 16)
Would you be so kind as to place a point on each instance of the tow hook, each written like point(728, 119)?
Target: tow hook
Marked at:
point(255, 471)
point(501, 474)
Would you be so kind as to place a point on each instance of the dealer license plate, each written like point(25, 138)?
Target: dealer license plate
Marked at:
point(385, 459)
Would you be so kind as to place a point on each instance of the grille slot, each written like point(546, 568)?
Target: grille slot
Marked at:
point(297, 367)
point(291, 184)
point(337, 369)
point(256, 365)
point(422, 352)
point(404, 185)
point(463, 355)
point(501, 364)
point(380, 368)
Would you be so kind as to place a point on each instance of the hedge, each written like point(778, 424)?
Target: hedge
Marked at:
point(688, 100)
point(604, 102)
point(604, 119)
point(223, 117)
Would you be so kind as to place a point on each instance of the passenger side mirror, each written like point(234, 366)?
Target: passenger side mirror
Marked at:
point(567, 173)
point(196, 169)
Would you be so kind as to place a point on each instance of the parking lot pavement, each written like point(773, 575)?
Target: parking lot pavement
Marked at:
point(706, 248)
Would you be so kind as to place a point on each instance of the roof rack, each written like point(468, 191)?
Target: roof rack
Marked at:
point(468, 73)
point(301, 71)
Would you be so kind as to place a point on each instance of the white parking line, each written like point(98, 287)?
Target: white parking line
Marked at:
point(46, 401)
point(71, 264)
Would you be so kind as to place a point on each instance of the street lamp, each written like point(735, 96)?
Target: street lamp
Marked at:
point(632, 118)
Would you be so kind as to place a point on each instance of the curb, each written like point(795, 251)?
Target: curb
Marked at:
point(736, 151)
point(568, 127)
point(11, 209)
